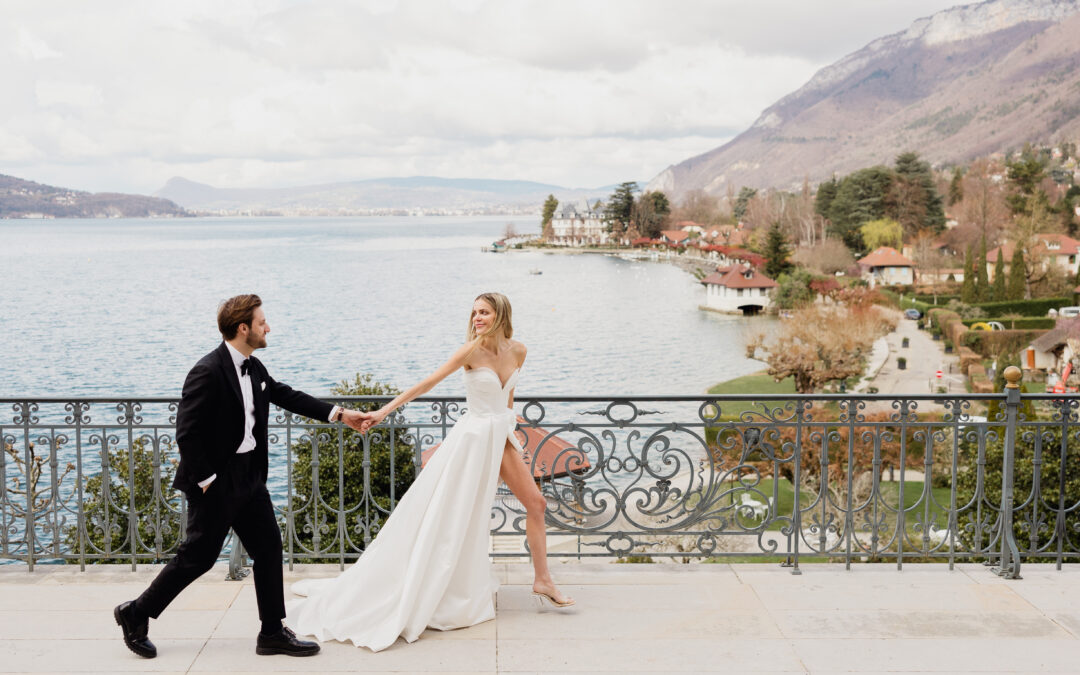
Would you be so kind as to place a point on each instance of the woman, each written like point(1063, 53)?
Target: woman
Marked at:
point(429, 564)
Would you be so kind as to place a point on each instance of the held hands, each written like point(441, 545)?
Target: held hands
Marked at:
point(362, 421)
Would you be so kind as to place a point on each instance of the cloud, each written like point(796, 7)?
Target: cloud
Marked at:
point(278, 92)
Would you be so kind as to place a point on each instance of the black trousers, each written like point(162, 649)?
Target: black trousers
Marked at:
point(237, 499)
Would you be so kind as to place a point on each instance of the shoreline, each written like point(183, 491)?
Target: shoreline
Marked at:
point(696, 267)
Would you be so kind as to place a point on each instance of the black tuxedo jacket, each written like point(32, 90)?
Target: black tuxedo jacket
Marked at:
point(210, 418)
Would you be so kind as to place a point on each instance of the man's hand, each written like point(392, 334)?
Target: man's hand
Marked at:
point(355, 419)
point(206, 487)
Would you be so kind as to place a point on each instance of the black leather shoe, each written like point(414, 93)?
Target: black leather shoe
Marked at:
point(134, 631)
point(285, 642)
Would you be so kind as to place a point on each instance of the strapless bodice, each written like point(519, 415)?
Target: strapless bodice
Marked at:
point(485, 395)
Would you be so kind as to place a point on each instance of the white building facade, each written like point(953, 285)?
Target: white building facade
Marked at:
point(578, 225)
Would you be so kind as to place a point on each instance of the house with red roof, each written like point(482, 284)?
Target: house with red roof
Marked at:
point(1052, 249)
point(738, 289)
point(887, 267)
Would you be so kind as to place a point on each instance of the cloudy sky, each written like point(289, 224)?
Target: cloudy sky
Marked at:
point(122, 95)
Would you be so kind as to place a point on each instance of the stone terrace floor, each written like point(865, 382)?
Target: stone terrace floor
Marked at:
point(737, 618)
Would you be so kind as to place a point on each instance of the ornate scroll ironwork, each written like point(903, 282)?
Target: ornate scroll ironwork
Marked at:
point(785, 478)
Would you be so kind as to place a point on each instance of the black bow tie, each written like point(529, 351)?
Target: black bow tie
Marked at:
point(245, 366)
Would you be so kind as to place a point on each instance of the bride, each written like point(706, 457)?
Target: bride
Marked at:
point(429, 564)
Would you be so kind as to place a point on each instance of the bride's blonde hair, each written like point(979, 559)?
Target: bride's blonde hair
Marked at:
point(501, 304)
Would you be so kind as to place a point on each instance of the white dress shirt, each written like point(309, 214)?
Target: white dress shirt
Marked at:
point(248, 396)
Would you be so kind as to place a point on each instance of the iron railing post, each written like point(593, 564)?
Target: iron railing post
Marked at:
point(1009, 562)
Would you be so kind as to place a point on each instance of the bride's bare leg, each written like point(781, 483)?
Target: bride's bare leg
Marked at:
point(520, 481)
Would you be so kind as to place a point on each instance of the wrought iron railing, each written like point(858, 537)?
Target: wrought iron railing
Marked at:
point(788, 478)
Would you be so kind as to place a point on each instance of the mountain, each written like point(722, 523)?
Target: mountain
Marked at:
point(967, 81)
point(380, 195)
point(26, 199)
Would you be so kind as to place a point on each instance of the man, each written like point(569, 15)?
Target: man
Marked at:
point(221, 430)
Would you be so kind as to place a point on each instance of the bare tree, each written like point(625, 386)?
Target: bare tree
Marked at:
point(829, 256)
point(825, 342)
point(984, 207)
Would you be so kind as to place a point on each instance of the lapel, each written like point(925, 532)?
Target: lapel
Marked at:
point(228, 370)
point(258, 393)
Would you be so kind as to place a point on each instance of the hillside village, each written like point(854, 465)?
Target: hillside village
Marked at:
point(987, 254)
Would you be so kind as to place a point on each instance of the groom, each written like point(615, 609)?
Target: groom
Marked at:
point(221, 429)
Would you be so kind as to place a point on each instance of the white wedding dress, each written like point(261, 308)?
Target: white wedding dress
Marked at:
point(429, 564)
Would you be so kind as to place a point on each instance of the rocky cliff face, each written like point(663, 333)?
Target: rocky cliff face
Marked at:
point(967, 81)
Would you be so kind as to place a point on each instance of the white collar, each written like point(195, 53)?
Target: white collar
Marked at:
point(237, 357)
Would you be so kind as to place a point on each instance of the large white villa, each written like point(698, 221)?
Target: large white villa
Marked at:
point(739, 289)
point(578, 225)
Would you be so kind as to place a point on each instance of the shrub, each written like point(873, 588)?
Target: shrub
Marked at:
point(391, 453)
point(108, 518)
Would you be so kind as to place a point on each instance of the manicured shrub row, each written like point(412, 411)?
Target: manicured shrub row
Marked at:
point(1024, 307)
point(942, 300)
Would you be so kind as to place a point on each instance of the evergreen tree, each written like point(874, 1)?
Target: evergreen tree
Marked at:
point(956, 187)
point(982, 284)
point(915, 176)
point(1017, 286)
point(826, 193)
point(620, 207)
point(741, 202)
point(968, 290)
point(997, 293)
point(550, 204)
point(776, 252)
point(860, 198)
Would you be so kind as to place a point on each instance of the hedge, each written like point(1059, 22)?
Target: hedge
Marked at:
point(1024, 307)
point(942, 300)
point(992, 343)
point(1028, 322)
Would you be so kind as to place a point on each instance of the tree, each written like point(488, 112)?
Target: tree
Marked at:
point(860, 198)
point(829, 256)
point(982, 285)
point(824, 342)
point(983, 204)
point(793, 290)
point(826, 193)
point(1017, 287)
point(968, 291)
point(1025, 176)
point(776, 252)
point(650, 214)
point(745, 195)
point(550, 204)
point(956, 187)
point(620, 207)
point(700, 207)
point(391, 453)
point(915, 199)
point(882, 232)
point(998, 293)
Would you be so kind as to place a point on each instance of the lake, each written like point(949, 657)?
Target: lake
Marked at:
point(126, 307)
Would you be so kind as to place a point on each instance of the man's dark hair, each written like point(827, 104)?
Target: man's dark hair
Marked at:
point(235, 311)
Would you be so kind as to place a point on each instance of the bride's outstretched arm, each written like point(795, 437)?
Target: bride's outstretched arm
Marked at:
point(457, 360)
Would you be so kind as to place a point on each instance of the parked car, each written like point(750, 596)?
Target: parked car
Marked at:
point(915, 314)
point(1068, 312)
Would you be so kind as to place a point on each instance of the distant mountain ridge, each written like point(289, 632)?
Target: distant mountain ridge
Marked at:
point(379, 195)
point(964, 82)
point(26, 199)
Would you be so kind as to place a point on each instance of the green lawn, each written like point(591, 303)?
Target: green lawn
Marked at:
point(890, 492)
point(755, 383)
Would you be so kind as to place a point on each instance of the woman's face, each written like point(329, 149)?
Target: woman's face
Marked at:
point(483, 315)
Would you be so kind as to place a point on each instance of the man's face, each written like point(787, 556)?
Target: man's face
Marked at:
point(256, 337)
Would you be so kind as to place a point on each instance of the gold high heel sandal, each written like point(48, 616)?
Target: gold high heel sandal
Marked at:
point(540, 598)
